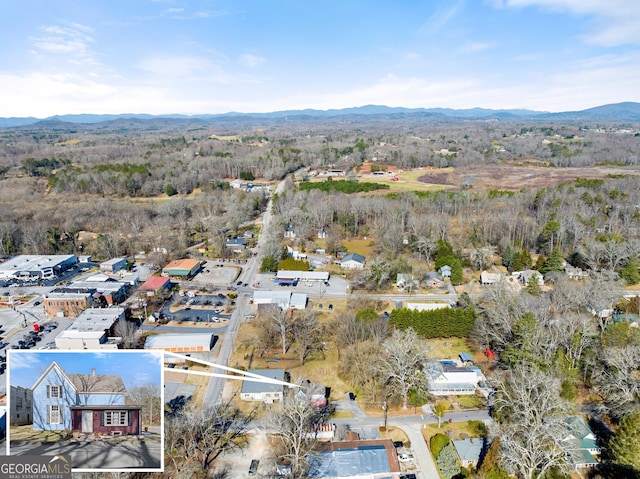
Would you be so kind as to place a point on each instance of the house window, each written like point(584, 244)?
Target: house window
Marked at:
point(55, 414)
point(54, 391)
point(116, 418)
point(18, 403)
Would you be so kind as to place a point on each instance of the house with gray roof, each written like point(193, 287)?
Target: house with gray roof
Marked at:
point(263, 391)
point(353, 261)
point(469, 450)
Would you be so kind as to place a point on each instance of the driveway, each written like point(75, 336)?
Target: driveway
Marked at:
point(144, 451)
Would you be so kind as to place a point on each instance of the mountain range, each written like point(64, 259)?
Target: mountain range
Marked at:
point(617, 112)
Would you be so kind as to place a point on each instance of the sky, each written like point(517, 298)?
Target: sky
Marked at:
point(217, 56)
point(137, 368)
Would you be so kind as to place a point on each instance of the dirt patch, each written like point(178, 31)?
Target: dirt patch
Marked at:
point(516, 176)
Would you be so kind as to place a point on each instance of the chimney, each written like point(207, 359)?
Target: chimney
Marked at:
point(93, 371)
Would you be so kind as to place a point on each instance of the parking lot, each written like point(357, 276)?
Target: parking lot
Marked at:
point(199, 308)
point(218, 273)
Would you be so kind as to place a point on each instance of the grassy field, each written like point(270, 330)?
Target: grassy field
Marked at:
point(359, 246)
point(408, 181)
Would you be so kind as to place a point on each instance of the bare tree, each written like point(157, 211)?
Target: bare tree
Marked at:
point(402, 362)
point(308, 334)
point(196, 437)
point(529, 422)
point(292, 423)
point(281, 319)
point(129, 332)
point(148, 396)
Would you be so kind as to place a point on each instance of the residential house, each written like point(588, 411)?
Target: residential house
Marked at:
point(446, 378)
point(469, 450)
point(490, 278)
point(21, 407)
point(89, 403)
point(322, 233)
point(289, 233)
point(263, 391)
point(407, 281)
point(581, 443)
point(353, 261)
point(576, 274)
point(237, 184)
point(433, 280)
point(237, 244)
point(526, 276)
point(445, 271)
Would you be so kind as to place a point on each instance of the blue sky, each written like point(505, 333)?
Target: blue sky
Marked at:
point(136, 368)
point(208, 56)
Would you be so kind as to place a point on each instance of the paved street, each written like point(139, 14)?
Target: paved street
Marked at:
point(143, 452)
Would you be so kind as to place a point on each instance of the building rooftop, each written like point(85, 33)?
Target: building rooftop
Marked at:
point(185, 263)
point(154, 283)
point(252, 387)
point(96, 319)
point(162, 341)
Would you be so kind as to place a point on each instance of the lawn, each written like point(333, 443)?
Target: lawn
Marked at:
point(459, 430)
point(27, 433)
point(447, 348)
point(363, 247)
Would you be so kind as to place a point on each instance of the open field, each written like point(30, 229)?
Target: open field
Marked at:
point(514, 176)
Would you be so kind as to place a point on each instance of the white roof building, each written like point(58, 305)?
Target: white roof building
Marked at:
point(90, 330)
point(36, 266)
point(284, 299)
point(303, 275)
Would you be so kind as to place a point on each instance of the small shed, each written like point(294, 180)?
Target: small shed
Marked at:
point(465, 357)
point(117, 419)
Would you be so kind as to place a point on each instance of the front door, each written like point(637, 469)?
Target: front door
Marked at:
point(87, 421)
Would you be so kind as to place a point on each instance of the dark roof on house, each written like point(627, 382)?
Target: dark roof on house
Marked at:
point(237, 241)
point(354, 257)
point(465, 357)
point(97, 383)
point(254, 387)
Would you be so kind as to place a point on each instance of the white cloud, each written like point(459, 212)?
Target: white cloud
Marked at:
point(251, 61)
point(615, 22)
point(474, 47)
point(72, 41)
point(442, 16)
point(23, 360)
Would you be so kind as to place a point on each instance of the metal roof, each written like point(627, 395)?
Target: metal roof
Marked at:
point(254, 387)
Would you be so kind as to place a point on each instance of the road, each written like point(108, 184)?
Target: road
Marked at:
point(213, 395)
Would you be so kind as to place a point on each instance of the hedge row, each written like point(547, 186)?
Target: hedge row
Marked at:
point(439, 323)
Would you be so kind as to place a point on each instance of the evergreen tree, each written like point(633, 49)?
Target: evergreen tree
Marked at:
point(625, 445)
point(555, 262)
point(490, 468)
point(533, 286)
point(508, 257)
point(630, 272)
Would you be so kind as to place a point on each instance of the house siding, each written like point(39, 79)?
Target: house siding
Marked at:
point(41, 402)
point(134, 426)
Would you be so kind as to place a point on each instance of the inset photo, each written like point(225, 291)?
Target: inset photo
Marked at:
point(103, 410)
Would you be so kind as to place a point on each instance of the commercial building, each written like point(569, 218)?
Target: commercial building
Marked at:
point(36, 267)
point(284, 299)
point(182, 268)
point(181, 343)
point(91, 329)
point(113, 265)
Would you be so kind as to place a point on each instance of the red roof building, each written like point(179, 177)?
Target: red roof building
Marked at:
point(156, 283)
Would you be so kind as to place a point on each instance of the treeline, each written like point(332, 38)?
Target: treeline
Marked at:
point(342, 186)
point(439, 323)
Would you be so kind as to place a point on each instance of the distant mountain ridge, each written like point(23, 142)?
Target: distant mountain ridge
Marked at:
point(625, 112)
